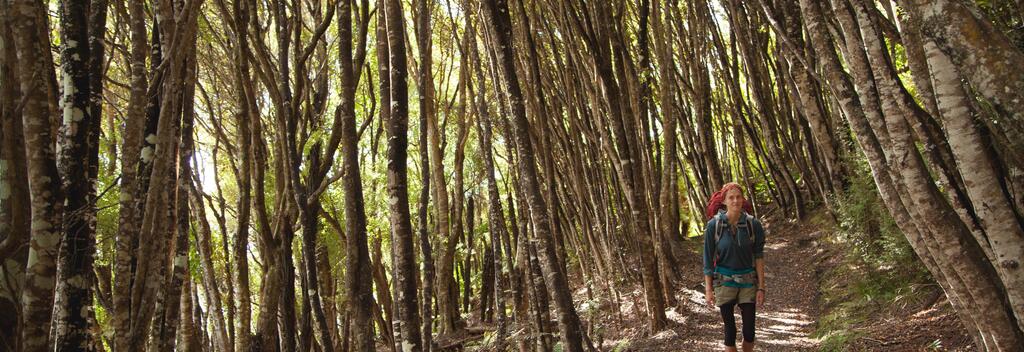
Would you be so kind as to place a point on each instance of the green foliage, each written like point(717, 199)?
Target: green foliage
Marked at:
point(867, 229)
point(107, 211)
point(838, 341)
point(102, 318)
point(877, 272)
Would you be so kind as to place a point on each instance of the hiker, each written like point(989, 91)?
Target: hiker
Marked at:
point(734, 262)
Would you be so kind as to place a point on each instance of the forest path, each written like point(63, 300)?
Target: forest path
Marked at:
point(785, 323)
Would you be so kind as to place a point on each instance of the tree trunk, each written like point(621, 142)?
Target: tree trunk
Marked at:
point(47, 199)
point(485, 309)
point(467, 272)
point(668, 217)
point(287, 320)
point(166, 321)
point(495, 214)
point(265, 336)
point(15, 202)
point(209, 276)
point(329, 292)
point(981, 176)
point(809, 97)
point(178, 30)
point(952, 236)
point(918, 189)
point(984, 55)
point(73, 299)
point(310, 218)
point(135, 172)
point(397, 155)
point(397, 126)
point(187, 333)
point(382, 291)
point(927, 127)
point(568, 321)
point(244, 142)
point(447, 299)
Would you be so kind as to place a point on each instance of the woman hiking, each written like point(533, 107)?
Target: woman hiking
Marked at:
point(734, 262)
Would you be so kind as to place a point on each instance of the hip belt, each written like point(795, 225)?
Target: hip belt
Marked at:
point(748, 278)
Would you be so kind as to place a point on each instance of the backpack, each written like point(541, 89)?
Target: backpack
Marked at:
point(717, 202)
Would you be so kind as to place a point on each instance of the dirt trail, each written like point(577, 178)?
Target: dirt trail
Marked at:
point(783, 324)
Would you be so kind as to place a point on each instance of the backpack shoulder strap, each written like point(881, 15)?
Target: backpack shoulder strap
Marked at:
point(718, 237)
point(718, 230)
point(751, 232)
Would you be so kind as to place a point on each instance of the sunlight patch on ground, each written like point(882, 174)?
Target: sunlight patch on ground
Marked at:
point(673, 315)
point(787, 319)
point(782, 329)
point(776, 245)
point(789, 341)
point(665, 335)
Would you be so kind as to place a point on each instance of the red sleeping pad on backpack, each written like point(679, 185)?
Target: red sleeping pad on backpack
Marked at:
point(717, 202)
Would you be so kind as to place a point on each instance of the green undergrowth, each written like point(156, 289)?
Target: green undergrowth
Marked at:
point(872, 272)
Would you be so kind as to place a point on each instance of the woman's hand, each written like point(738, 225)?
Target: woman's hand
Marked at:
point(760, 298)
point(709, 298)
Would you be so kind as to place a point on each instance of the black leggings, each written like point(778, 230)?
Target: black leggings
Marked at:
point(747, 311)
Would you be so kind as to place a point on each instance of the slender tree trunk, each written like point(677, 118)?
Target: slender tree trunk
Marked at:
point(329, 292)
point(15, 202)
point(266, 333)
point(397, 126)
point(935, 144)
point(187, 333)
point(266, 327)
point(634, 189)
point(486, 308)
point(445, 292)
point(539, 301)
point(668, 216)
point(310, 218)
point(537, 105)
point(209, 276)
point(98, 72)
point(425, 87)
point(467, 273)
point(306, 193)
point(73, 301)
point(134, 176)
point(568, 321)
point(495, 214)
point(383, 307)
point(810, 101)
point(408, 322)
point(47, 199)
point(240, 250)
point(166, 322)
point(863, 34)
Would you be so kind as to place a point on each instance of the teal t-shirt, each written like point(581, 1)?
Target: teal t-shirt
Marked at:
point(737, 248)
